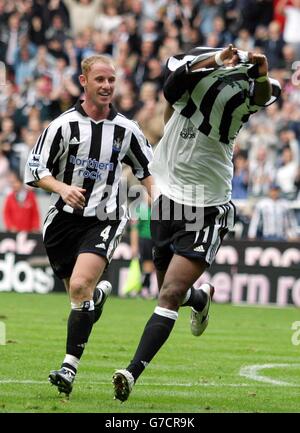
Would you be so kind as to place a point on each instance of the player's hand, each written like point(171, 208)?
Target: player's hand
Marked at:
point(73, 196)
point(261, 61)
point(229, 55)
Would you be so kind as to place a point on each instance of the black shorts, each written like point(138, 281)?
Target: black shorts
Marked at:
point(145, 249)
point(196, 239)
point(67, 235)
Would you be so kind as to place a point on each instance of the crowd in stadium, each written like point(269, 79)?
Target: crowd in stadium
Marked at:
point(42, 43)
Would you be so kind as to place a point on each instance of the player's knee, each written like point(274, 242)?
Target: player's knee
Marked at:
point(171, 294)
point(79, 288)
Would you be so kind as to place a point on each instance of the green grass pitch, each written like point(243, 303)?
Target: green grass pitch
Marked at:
point(188, 375)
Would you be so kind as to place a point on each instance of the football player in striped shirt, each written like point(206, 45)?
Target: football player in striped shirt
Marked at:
point(78, 158)
point(210, 93)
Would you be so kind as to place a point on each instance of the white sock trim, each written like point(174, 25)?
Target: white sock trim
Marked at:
point(82, 305)
point(165, 312)
point(72, 360)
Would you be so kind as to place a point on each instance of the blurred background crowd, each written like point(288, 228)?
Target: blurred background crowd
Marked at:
point(42, 43)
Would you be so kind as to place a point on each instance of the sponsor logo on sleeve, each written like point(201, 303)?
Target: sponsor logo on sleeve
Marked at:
point(34, 161)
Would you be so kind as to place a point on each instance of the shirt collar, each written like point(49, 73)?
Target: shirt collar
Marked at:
point(111, 115)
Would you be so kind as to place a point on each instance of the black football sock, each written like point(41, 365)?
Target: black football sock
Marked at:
point(146, 281)
point(155, 334)
point(195, 298)
point(80, 324)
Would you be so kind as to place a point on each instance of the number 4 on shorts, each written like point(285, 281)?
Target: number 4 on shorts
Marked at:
point(105, 233)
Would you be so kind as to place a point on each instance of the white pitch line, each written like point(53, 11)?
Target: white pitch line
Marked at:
point(98, 382)
point(186, 385)
point(23, 382)
point(253, 372)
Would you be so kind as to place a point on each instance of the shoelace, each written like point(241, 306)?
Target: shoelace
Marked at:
point(69, 374)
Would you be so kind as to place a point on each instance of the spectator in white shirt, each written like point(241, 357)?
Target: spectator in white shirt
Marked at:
point(287, 173)
point(273, 219)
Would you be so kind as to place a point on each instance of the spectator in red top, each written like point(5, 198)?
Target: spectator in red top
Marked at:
point(21, 212)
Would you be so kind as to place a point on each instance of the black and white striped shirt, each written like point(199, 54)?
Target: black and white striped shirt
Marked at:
point(273, 219)
point(217, 101)
point(193, 161)
point(79, 151)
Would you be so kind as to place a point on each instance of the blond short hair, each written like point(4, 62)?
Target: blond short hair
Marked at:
point(88, 62)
